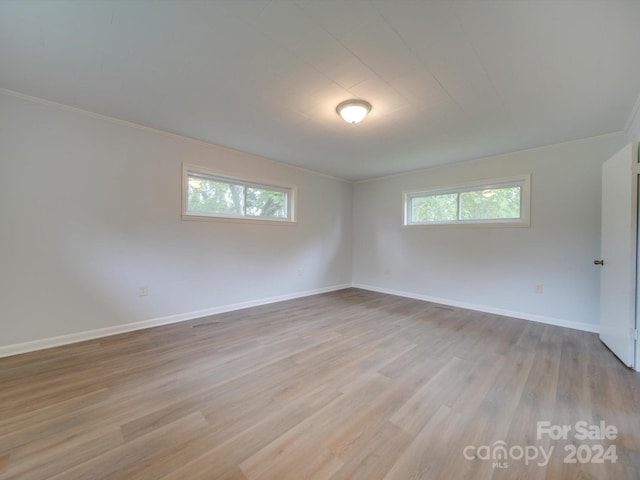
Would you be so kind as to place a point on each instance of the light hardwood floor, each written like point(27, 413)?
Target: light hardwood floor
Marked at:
point(349, 384)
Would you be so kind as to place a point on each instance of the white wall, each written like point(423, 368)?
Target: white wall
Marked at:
point(494, 269)
point(90, 211)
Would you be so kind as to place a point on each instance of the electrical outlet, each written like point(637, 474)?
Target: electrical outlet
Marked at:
point(143, 291)
point(539, 288)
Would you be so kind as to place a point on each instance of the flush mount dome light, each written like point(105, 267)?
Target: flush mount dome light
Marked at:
point(353, 111)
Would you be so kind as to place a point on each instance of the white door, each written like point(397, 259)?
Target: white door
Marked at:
point(619, 253)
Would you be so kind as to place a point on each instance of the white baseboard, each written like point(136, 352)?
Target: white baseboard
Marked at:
point(8, 350)
point(587, 327)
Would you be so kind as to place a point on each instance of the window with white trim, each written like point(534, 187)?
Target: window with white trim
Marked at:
point(502, 201)
point(211, 194)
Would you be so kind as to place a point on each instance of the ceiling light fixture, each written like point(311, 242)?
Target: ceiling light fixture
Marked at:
point(353, 111)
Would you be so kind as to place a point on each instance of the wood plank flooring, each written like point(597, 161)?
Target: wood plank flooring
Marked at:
point(345, 385)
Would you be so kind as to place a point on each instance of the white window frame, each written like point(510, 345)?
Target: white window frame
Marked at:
point(246, 182)
point(523, 181)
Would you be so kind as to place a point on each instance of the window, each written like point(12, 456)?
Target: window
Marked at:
point(503, 201)
point(210, 194)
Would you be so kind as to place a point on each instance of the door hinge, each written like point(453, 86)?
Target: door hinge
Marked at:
point(636, 168)
point(634, 334)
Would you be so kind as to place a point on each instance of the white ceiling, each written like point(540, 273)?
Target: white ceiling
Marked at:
point(448, 80)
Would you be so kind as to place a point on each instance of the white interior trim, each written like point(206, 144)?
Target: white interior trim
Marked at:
point(586, 327)
point(289, 189)
point(444, 166)
point(522, 181)
point(164, 133)
point(44, 343)
point(632, 127)
point(41, 344)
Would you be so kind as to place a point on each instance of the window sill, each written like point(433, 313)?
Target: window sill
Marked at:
point(489, 224)
point(258, 221)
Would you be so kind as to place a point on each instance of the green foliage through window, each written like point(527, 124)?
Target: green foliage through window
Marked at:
point(434, 208)
point(218, 196)
point(490, 204)
point(215, 197)
point(504, 201)
point(266, 203)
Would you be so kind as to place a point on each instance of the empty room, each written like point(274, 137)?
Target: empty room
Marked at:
point(319, 239)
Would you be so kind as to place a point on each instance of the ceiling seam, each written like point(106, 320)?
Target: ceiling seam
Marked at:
point(488, 157)
point(420, 61)
point(486, 72)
